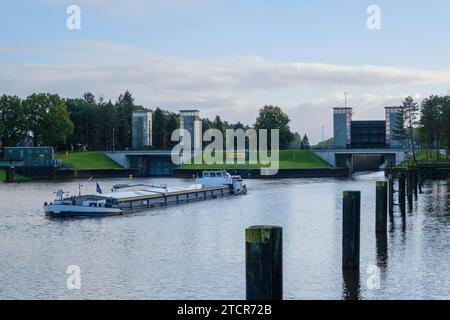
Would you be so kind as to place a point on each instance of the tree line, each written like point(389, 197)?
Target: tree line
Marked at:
point(427, 124)
point(96, 124)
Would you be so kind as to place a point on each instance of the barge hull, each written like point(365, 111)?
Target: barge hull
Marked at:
point(136, 205)
point(174, 199)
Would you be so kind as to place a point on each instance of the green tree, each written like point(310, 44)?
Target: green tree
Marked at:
point(159, 128)
point(83, 113)
point(410, 110)
point(13, 128)
point(218, 124)
point(105, 120)
point(48, 119)
point(125, 107)
point(305, 142)
point(445, 123)
point(398, 131)
point(430, 121)
point(172, 123)
point(272, 117)
point(296, 141)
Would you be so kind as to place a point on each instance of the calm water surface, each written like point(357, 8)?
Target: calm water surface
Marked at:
point(196, 251)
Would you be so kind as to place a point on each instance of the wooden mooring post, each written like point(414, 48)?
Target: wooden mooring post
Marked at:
point(9, 174)
point(409, 187)
point(391, 196)
point(401, 193)
point(421, 180)
point(415, 179)
point(351, 207)
point(264, 263)
point(381, 207)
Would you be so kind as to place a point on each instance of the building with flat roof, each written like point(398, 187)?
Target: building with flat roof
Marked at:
point(365, 134)
point(30, 156)
point(141, 130)
point(190, 121)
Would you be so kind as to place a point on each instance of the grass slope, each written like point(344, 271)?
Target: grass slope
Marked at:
point(87, 160)
point(423, 155)
point(17, 177)
point(289, 159)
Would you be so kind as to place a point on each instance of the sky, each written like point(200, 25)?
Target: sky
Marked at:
point(231, 57)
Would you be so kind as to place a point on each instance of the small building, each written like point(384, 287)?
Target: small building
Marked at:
point(141, 130)
point(31, 156)
point(190, 121)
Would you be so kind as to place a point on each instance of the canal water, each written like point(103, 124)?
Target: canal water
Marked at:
point(196, 251)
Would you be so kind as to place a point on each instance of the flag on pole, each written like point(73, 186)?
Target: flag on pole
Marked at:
point(99, 190)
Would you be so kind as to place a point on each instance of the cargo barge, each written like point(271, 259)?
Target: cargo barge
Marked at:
point(129, 198)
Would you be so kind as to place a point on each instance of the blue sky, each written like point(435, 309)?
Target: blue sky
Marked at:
point(230, 57)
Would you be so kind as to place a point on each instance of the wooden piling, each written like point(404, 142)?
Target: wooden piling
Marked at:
point(351, 208)
point(351, 286)
point(409, 186)
point(264, 263)
point(401, 193)
point(381, 207)
point(415, 184)
point(9, 174)
point(421, 180)
point(391, 197)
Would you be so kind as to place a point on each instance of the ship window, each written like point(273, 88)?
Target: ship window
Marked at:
point(206, 174)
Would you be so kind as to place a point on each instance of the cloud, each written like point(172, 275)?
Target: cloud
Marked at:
point(109, 67)
point(118, 9)
point(234, 87)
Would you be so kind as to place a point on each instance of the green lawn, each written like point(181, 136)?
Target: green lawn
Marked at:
point(87, 160)
point(17, 177)
point(289, 159)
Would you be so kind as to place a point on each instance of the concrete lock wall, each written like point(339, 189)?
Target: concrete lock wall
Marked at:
point(120, 158)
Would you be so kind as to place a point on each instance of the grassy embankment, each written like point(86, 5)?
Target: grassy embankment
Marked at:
point(87, 160)
point(76, 160)
point(17, 177)
point(288, 159)
point(424, 156)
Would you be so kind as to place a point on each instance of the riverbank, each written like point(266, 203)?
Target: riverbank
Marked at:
point(280, 174)
point(87, 160)
point(75, 165)
point(427, 165)
point(292, 164)
point(288, 159)
point(425, 156)
point(18, 177)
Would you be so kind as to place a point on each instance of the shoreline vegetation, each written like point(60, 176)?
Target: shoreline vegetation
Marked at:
point(424, 156)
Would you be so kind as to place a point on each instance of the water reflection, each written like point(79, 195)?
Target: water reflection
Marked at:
point(196, 251)
point(382, 250)
point(351, 287)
